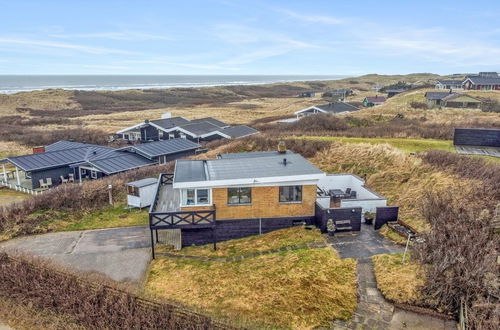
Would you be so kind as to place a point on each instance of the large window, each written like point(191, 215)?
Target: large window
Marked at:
point(290, 194)
point(192, 197)
point(238, 196)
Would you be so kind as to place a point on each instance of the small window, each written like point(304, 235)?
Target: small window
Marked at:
point(133, 191)
point(93, 174)
point(171, 135)
point(190, 193)
point(84, 171)
point(183, 135)
point(125, 136)
point(201, 196)
point(238, 196)
point(290, 194)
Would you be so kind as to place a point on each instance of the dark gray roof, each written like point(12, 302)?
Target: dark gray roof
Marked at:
point(252, 154)
point(239, 131)
point(168, 123)
point(120, 162)
point(200, 128)
point(337, 107)
point(210, 120)
point(61, 145)
point(375, 99)
point(58, 158)
point(478, 80)
point(437, 95)
point(395, 91)
point(243, 168)
point(143, 182)
point(341, 91)
point(166, 147)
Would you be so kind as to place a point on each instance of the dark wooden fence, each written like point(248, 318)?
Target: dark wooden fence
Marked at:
point(384, 215)
point(477, 137)
point(347, 218)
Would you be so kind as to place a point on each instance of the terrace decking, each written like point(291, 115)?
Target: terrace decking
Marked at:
point(167, 199)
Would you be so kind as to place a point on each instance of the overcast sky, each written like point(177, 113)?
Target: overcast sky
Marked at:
point(248, 37)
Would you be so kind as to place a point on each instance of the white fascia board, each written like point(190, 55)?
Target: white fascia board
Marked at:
point(186, 132)
point(268, 181)
point(158, 127)
point(215, 133)
point(131, 128)
point(310, 108)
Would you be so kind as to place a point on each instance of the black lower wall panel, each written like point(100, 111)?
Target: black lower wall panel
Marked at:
point(232, 229)
point(351, 214)
point(384, 215)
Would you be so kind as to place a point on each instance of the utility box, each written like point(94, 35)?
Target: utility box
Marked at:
point(142, 192)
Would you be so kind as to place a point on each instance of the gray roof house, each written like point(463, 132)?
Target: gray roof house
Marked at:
point(451, 100)
point(241, 194)
point(483, 81)
point(67, 161)
point(330, 108)
point(198, 130)
point(449, 84)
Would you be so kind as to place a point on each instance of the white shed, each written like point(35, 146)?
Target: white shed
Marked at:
point(141, 193)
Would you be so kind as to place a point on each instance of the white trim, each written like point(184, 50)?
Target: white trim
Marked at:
point(131, 128)
point(209, 202)
point(310, 108)
point(296, 180)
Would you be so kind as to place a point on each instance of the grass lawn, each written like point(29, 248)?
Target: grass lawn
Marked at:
point(9, 196)
point(398, 282)
point(391, 234)
point(248, 245)
point(109, 217)
point(404, 144)
point(294, 289)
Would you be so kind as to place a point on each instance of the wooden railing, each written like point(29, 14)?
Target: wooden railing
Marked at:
point(163, 179)
point(182, 219)
point(25, 190)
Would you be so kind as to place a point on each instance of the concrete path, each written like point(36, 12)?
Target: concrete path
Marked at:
point(122, 254)
point(373, 311)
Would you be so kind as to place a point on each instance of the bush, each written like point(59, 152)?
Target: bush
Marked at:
point(490, 105)
point(418, 105)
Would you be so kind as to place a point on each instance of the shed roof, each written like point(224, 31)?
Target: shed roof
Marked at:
point(168, 123)
point(61, 145)
point(165, 147)
point(375, 99)
point(143, 182)
point(244, 168)
point(450, 82)
point(239, 131)
point(200, 128)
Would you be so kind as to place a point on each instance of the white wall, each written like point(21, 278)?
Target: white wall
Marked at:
point(324, 202)
point(367, 205)
point(145, 198)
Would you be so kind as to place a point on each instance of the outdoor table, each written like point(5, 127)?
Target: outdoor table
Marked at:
point(336, 193)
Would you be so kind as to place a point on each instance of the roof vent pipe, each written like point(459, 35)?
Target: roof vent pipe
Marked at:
point(284, 161)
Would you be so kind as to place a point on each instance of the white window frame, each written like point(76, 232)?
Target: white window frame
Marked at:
point(183, 136)
point(162, 160)
point(171, 135)
point(93, 174)
point(209, 202)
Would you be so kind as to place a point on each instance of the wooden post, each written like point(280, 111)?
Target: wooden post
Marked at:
point(157, 240)
point(152, 244)
point(214, 237)
point(80, 174)
point(17, 176)
point(4, 172)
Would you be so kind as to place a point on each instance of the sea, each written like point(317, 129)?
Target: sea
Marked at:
point(10, 84)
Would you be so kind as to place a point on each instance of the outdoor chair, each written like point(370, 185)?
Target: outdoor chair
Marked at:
point(43, 185)
point(71, 177)
point(353, 194)
point(63, 180)
point(49, 182)
point(348, 192)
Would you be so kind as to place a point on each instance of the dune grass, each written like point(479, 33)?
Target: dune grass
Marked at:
point(403, 144)
point(248, 245)
point(9, 196)
point(109, 217)
point(293, 289)
point(398, 282)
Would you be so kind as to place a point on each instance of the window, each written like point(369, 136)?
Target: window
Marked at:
point(290, 194)
point(237, 196)
point(162, 159)
point(93, 174)
point(183, 135)
point(171, 135)
point(191, 197)
point(133, 191)
point(84, 171)
point(125, 136)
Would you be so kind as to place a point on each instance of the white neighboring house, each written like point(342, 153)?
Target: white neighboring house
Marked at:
point(449, 84)
point(331, 108)
point(142, 192)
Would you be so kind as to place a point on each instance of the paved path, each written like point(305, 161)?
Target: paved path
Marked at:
point(122, 254)
point(373, 311)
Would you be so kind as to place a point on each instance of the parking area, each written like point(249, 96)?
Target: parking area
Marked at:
point(362, 244)
point(123, 254)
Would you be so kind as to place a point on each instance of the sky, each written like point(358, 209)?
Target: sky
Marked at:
point(248, 37)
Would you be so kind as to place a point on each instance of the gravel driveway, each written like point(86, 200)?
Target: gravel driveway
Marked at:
point(122, 254)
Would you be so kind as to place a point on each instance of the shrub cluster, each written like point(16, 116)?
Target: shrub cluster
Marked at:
point(94, 304)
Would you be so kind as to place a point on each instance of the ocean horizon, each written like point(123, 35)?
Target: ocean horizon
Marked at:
point(10, 84)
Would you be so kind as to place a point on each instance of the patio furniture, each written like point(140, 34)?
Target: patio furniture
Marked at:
point(43, 185)
point(49, 182)
point(63, 179)
point(348, 192)
point(338, 193)
point(353, 194)
point(71, 177)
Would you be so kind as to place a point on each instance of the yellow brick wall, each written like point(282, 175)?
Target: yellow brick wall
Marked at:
point(265, 204)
